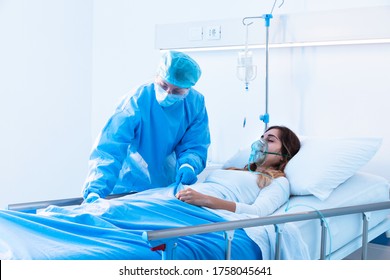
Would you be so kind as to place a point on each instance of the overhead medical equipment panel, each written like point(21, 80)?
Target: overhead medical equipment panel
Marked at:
point(358, 24)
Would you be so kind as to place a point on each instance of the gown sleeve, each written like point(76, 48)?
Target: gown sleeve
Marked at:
point(110, 149)
point(269, 199)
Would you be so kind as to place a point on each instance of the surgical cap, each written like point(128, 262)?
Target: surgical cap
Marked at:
point(178, 69)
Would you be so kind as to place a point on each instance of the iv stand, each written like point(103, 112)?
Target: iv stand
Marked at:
point(267, 18)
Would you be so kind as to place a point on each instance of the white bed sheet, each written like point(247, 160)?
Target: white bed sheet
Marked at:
point(362, 188)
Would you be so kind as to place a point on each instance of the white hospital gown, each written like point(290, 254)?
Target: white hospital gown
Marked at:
point(241, 187)
point(252, 202)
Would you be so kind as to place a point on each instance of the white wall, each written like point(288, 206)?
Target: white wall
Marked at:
point(65, 64)
point(335, 90)
point(45, 95)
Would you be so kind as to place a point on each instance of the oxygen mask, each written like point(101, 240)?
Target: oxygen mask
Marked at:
point(259, 151)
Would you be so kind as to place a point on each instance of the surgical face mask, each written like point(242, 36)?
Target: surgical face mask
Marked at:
point(259, 150)
point(165, 99)
point(161, 94)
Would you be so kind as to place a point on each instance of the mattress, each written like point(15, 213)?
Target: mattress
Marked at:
point(362, 188)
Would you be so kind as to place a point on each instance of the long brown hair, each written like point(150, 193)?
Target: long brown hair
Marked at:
point(290, 147)
point(290, 144)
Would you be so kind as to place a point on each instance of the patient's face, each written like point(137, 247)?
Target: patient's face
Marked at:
point(274, 146)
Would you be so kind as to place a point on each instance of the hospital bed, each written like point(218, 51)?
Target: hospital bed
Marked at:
point(329, 221)
point(356, 213)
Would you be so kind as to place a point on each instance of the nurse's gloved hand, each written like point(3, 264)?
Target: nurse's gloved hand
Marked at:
point(91, 198)
point(186, 175)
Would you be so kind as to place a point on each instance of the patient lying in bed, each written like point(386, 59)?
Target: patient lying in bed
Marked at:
point(112, 229)
point(239, 189)
point(260, 196)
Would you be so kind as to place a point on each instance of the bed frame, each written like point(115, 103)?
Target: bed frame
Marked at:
point(33, 207)
point(166, 240)
point(168, 237)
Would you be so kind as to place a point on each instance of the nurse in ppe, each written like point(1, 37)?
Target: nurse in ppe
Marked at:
point(158, 135)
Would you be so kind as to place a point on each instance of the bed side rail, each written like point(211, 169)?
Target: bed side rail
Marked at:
point(165, 239)
point(32, 207)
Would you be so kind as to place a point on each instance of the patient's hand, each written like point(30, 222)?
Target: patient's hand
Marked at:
point(196, 198)
point(193, 197)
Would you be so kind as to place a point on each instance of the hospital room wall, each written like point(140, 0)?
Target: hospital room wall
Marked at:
point(319, 91)
point(335, 91)
point(66, 63)
point(45, 97)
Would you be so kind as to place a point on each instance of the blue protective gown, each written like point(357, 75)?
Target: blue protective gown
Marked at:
point(143, 143)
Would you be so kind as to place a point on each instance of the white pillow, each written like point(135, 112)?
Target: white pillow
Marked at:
point(239, 160)
point(321, 164)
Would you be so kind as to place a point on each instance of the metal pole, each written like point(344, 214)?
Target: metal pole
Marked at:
point(228, 243)
point(324, 237)
point(365, 235)
point(278, 232)
point(266, 73)
point(265, 117)
point(268, 220)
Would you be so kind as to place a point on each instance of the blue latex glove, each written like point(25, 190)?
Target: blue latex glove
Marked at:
point(91, 198)
point(186, 176)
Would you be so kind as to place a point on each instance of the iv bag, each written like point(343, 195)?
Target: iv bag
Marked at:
point(246, 71)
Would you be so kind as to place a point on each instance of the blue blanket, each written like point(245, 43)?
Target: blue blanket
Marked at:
point(112, 229)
